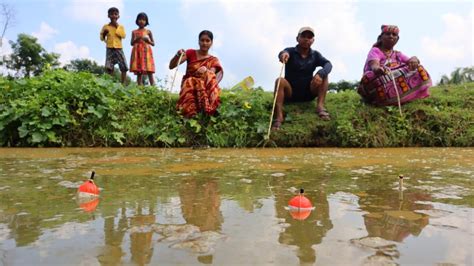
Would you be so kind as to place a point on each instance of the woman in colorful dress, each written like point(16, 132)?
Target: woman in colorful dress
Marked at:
point(384, 64)
point(141, 61)
point(200, 86)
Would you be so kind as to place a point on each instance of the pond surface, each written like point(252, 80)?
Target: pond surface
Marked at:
point(229, 206)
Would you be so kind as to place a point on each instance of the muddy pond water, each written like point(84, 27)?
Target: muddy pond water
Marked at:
point(230, 206)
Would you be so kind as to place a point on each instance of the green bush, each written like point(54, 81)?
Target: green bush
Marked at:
point(61, 108)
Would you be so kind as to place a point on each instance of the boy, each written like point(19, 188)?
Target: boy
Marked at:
point(112, 34)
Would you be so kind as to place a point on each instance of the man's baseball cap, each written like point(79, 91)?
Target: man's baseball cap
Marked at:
point(306, 29)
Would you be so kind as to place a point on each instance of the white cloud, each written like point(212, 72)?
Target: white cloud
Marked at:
point(93, 11)
point(454, 43)
point(6, 48)
point(45, 32)
point(339, 67)
point(69, 50)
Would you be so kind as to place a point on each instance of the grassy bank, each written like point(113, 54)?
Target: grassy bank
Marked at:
point(68, 109)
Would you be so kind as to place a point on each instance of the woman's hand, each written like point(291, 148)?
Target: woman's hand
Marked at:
point(202, 70)
point(376, 67)
point(378, 70)
point(413, 63)
point(180, 52)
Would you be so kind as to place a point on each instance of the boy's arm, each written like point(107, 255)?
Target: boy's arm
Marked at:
point(120, 32)
point(103, 33)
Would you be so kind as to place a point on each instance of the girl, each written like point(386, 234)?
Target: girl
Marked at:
point(141, 61)
point(199, 89)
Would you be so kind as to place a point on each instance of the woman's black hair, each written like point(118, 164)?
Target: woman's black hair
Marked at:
point(208, 33)
point(144, 16)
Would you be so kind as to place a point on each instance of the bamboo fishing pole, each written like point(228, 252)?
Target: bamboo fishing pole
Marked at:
point(400, 187)
point(277, 88)
point(176, 72)
point(396, 91)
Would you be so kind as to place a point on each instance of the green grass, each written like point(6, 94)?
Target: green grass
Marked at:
point(62, 108)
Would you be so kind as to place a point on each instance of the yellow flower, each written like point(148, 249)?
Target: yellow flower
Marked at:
point(247, 105)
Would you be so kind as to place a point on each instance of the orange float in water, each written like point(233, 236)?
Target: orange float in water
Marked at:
point(88, 188)
point(300, 207)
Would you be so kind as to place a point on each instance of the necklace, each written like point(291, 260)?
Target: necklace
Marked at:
point(387, 53)
point(388, 56)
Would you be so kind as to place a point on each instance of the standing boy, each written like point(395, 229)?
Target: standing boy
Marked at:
point(112, 34)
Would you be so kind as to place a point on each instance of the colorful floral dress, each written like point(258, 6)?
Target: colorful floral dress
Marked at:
point(200, 91)
point(141, 61)
point(381, 90)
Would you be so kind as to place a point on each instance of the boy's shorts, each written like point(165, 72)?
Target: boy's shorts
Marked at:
point(115, 56)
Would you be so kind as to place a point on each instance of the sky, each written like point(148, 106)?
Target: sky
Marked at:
point(249, 34)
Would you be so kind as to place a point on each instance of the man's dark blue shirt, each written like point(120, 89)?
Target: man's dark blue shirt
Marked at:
point(299, 70)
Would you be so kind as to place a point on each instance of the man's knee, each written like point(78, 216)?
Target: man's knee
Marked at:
point(319, 83)
point(281, 81)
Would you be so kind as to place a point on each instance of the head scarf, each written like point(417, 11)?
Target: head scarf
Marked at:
point(389, 28)
point(384, 29)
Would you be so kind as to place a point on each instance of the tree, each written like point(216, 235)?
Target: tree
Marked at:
point(458, 76)
point(85, 65)
point(29, 57)
point(8, 17)
point(343, 85)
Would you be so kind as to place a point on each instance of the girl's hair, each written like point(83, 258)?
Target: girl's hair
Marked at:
point(208, 33)
point(143, 16)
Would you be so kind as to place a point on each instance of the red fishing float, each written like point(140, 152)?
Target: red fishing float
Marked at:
point(88, 188)
point(300, 207)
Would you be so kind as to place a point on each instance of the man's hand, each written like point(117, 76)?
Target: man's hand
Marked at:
point(284, 57)
point(104, 33)
point(316, 81)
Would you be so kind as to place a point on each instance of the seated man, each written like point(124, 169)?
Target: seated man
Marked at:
point(299, 84)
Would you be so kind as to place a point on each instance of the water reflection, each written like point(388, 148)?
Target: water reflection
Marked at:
point(152, 214)
point(25, 228)
point(391, 217)
point(111, 253)
point(88, 205)
point(304, 234)
point(141, 238)
point(200, 205)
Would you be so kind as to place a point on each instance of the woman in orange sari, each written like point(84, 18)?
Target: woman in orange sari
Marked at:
point(199, 88)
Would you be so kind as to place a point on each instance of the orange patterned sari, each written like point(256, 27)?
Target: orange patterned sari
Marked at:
point(200, 92)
